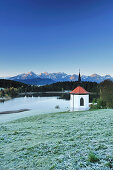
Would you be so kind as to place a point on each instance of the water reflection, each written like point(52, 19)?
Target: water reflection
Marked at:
point(38, 103)
point(65, 96)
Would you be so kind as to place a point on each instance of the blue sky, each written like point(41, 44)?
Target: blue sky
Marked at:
point(56, 36)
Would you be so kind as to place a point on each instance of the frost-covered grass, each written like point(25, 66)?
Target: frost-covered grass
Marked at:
point(67, 141)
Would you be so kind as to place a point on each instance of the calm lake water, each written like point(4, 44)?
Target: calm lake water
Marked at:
point(37, 105)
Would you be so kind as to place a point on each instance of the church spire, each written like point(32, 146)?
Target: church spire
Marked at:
point(79, 77)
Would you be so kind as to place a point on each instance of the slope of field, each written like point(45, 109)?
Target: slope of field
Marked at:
point(78, 140)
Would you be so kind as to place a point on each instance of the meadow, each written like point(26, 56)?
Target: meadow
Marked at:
point(66, 141)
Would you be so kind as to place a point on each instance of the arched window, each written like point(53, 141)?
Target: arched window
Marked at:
point(81, 102)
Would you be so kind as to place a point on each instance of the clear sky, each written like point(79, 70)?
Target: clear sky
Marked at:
point(56, 36)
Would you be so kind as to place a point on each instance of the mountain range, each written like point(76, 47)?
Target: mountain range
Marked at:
point(49, 78)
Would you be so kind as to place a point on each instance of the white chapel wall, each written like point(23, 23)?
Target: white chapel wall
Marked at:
point(75, 102)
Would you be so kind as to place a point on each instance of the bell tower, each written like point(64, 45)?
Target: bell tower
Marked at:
point(79, 77)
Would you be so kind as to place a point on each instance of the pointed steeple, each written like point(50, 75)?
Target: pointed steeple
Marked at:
point(79, 77)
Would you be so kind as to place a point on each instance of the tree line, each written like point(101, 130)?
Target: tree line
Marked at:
point(104, 90)
point(13, 88)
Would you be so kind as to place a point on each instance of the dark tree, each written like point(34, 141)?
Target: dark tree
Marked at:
point(106, 92)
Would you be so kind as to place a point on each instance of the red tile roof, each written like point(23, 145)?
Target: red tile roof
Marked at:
point(79, 90)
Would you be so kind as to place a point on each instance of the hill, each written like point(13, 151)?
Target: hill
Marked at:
point(76, 140)
point(10, 83)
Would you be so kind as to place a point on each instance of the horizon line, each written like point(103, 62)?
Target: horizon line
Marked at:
point(54, 72)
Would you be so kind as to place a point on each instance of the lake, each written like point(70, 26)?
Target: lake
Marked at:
point(39, 103)
point(36, 104)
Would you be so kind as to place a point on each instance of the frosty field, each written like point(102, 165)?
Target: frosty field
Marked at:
point(67, 141)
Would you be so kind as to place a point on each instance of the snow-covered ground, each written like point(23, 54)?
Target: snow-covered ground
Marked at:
point(75, 140)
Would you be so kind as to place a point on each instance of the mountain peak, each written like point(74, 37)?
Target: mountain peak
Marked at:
point(94, 75)
point(31, 72)
point(60, 77)
point(46, 73)
point(29, 75)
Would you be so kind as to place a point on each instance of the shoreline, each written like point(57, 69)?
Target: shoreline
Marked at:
point(3, 99)
point(14, 111)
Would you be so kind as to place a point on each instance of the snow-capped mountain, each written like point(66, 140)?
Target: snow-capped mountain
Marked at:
point(32, 79)
point(49, 78)
point(25, 76)
point(93, 78)
point(96, 78)
point(65, 77)
point(55, 76)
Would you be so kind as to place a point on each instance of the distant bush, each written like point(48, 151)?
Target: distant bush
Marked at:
point(109, 164)
point(92, 157)
point(57, 107)
point(94, 101)
point(99, 105)
point(2, 94)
